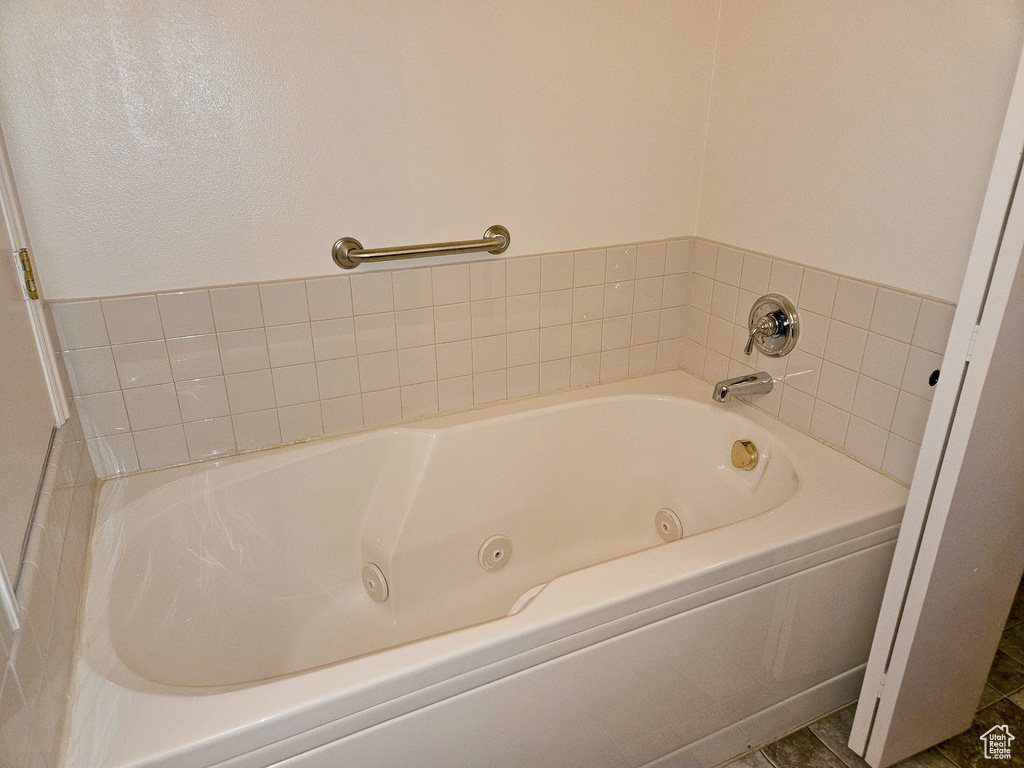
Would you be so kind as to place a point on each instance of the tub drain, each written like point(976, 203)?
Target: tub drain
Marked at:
point(495, 553)
point(668, 525)
point(374, 582)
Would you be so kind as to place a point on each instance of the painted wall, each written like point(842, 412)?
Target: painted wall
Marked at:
point(181, 143)
point(858, 137)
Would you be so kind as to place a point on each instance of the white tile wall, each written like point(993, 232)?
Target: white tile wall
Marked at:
point(175, 377)
point(859, 377)
point(180, 376)
point(38, 660)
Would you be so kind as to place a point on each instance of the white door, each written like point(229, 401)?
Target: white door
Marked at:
point(960, 553)
point(27, 412)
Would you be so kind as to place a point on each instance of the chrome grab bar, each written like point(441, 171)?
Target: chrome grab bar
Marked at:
point(349, 253)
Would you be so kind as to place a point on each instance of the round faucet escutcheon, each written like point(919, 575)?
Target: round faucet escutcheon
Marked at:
point(773, 325)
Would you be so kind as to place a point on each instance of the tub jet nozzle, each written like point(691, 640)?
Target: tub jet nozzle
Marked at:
point(495, 553)
point(374, 582)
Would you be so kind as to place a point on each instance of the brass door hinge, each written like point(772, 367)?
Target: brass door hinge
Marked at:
point(30, 279)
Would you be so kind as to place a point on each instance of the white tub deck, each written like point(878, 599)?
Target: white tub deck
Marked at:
point(225, 621)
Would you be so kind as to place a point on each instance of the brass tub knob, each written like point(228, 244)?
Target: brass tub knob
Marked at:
point(744, 455)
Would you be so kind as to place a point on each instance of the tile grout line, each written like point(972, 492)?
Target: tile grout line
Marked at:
point(840, 275)
point(824, 744)
point(671, 348)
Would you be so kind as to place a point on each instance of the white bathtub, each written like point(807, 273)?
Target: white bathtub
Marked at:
point(226, 622)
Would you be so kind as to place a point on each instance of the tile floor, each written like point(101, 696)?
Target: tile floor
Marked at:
point(822, 744)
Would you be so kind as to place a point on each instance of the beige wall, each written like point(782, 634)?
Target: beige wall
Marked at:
point(180, 144)
point(858, 136)
point(177, 144)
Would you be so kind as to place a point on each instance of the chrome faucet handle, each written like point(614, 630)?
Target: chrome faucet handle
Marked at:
point(766, 326)
point(774, 326)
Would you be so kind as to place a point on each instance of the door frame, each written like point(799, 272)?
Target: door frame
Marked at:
point(14, 221)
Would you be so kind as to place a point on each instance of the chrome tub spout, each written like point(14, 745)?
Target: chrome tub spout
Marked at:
point(759, 383)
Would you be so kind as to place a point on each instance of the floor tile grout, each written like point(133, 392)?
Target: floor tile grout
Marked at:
point(838, 756)
point(948, 757)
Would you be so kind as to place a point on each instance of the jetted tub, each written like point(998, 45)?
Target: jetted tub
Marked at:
point(227, 621)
